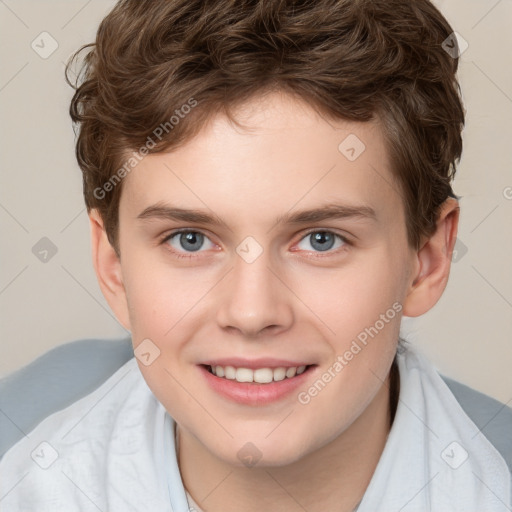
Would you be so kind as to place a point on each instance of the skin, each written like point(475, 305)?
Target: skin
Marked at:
point(292, 302)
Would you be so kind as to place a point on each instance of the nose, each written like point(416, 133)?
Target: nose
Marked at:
point(254, 301)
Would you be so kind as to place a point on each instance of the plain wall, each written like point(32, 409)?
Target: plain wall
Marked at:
point(43, 304)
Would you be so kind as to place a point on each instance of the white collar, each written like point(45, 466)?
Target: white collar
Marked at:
point(116, 449)
point(435, 458)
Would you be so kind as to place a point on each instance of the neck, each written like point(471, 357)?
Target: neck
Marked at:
point(333, 477)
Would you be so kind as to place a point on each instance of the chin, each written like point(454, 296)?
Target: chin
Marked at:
point(258, 451)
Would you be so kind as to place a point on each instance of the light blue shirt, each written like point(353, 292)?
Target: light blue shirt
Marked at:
point(115, 450)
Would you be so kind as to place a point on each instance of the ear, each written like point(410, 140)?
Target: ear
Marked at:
point(108, 270)
point(433, 262)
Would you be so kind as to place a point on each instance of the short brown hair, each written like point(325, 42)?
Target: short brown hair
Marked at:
point(351, 59)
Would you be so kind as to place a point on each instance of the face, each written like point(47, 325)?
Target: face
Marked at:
point(266, 250)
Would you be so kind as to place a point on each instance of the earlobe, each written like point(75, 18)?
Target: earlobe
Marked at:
point(433, 263)
point(107, 266)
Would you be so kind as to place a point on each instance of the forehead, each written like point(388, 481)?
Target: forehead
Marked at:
point(286, 155)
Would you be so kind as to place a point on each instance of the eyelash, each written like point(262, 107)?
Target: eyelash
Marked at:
point(190, 255)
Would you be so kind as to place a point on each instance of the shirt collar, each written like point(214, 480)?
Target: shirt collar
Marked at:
point(434, 457)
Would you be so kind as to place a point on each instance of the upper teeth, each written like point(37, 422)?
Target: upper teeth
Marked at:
point(261, 375)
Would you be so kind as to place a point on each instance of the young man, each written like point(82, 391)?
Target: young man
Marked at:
point(269, 192)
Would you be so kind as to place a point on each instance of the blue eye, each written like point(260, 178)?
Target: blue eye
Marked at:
point(183, 242)
point(188, 241)
point(321, 241)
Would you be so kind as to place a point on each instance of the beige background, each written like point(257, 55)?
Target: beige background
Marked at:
point(467, 334)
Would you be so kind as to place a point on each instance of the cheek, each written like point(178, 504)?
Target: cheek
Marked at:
point(359, 308)
point(362, 310)
point(349, 299)
point(159, 296)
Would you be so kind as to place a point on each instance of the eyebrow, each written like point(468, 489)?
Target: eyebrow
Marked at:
point(330, 211)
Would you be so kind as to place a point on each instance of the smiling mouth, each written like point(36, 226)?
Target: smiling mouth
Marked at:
point(257, 376)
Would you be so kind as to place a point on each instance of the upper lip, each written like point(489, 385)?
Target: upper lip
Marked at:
point(264, 362)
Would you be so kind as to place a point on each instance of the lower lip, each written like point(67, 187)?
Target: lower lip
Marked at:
point(253, 393)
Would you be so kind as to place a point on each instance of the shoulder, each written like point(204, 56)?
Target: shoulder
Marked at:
point(54, 381)
point(102, 440)
point(493, 419)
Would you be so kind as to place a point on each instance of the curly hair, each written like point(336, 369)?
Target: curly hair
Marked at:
point(159, 69)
